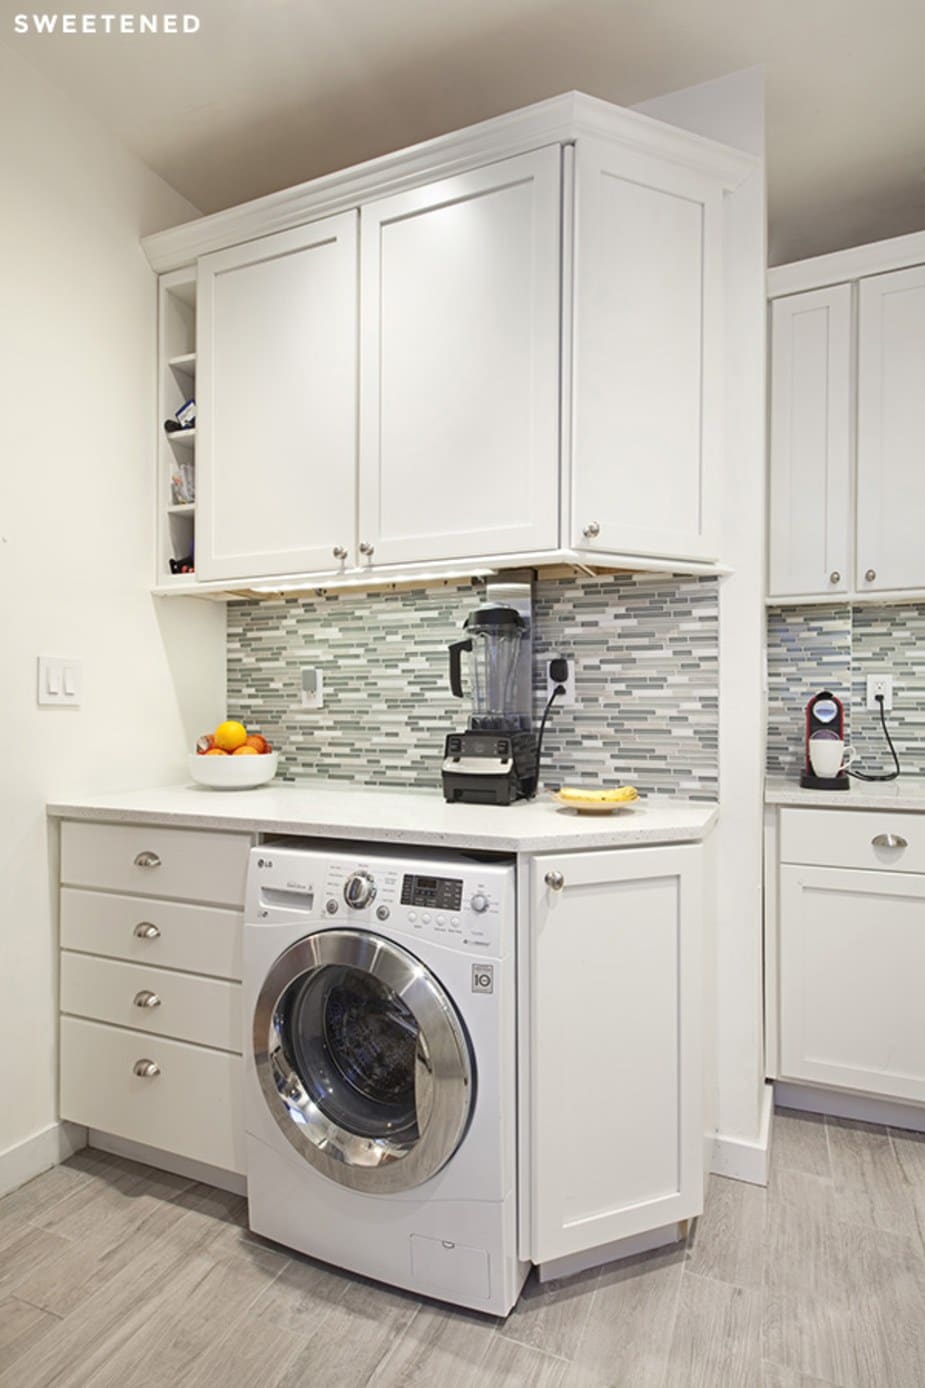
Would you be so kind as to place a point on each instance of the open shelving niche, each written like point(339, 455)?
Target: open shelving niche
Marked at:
point(176, 521)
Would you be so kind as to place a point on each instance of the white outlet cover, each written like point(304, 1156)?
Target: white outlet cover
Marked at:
point(880, 684)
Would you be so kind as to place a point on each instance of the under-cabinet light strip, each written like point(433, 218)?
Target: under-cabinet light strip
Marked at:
point(365, 579)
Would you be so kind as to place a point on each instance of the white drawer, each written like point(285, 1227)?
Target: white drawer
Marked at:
point(191, 1107)
point(853, 838)
point(200, 939)
point(192, 864)
point(204, 1010)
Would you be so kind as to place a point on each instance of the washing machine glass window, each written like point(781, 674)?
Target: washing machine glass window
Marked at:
point(363, 1060)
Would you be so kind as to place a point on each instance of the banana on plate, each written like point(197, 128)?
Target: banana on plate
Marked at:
point(599, 797)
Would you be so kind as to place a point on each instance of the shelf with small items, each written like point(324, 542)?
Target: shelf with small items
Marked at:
point(176, 447)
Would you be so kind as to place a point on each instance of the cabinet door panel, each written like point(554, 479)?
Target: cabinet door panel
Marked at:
point(647, 384)
point(276, 458)
point(460, 365)
point(852, 960)
point(615, 1047)
point(810, 484)
point(891, 430)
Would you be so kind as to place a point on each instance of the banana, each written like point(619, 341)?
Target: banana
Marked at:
point(599, 797)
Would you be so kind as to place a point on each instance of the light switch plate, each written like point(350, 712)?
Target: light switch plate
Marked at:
point(60, 681)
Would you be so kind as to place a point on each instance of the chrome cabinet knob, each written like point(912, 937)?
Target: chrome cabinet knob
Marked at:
point(555, 881)
point(591, 530)
point(889, 841)
point(339, 552)
point(870, 575)
point(835, 576)
point(146, 999)
point(147, 860)
point(144, 930)
point(367, 548)
point(146, 1069)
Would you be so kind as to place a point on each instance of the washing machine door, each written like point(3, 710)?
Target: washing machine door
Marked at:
point(363, 1061)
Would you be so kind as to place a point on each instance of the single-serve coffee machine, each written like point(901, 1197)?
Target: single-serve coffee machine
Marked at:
point(825, 762)
point(494, 761)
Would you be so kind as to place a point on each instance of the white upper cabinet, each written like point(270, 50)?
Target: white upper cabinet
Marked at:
point(459, 376)
point(277, 370)
point(647, 385)
point(810, 486)
point(891, 431)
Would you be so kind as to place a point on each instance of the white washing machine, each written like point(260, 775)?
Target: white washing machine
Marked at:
point(380, 1099)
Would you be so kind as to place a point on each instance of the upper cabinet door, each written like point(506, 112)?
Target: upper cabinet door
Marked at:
point(459, 382)
point(277, 387)
point(810, 489)
point(891, 431)
point(647, 387)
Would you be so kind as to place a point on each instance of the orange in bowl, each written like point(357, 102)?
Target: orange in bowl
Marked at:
point(245, 751)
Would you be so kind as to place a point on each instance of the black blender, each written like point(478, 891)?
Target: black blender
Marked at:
point(494, 762)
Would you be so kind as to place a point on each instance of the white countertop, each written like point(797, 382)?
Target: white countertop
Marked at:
point(906, 793)
point(324, 809)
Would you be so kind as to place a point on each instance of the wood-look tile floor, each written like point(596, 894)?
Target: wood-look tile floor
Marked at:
point(115, 1275)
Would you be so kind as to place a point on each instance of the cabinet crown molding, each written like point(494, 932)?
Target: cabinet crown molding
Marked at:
point(559, 120)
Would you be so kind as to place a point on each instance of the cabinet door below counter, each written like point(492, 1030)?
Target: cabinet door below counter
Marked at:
point(616, 1089)
point(852, 960)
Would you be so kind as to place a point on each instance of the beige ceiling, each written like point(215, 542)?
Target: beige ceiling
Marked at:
point(271, 92)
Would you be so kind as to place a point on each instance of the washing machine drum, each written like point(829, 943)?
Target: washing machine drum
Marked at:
point(363, 1061)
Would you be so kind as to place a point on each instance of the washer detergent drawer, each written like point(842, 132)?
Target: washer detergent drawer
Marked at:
point(193, 864)
point(168, 934)
point(186, 1100)
point(204, 1010)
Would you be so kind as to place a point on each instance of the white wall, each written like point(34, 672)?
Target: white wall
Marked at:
point(731, 109)
point(77, 365)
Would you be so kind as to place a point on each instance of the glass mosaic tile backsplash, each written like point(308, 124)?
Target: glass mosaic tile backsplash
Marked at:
point(646, 708)
point(834, 646)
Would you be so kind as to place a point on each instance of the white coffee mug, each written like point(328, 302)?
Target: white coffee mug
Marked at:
point(828, 756)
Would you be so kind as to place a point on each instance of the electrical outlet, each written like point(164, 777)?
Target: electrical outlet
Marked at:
point(312, 686)
point(569, 683)
point(880, 684)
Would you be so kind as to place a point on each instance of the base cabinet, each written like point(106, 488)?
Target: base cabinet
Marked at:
point(615, 1028)
point(852, 960)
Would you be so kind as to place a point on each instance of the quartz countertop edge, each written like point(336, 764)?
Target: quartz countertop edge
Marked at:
point(365, 814)
point(904, 794)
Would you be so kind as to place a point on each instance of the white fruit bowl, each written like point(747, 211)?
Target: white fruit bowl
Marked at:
point(233, 773)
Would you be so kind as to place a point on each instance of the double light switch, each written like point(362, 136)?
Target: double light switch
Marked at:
point(59, 681)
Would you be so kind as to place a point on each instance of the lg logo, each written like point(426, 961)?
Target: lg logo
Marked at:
point(483, 978)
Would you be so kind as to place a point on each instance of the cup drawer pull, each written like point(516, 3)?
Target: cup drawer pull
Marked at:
point(146, 999)
point(145, 930)
point(889, 841)
point(147, 860)
point(146, 1069)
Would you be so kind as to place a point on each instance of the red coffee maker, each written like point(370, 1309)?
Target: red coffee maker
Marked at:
point(825, 717)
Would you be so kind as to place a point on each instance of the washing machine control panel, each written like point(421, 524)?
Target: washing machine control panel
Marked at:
point(462, 910)
point(462, 903)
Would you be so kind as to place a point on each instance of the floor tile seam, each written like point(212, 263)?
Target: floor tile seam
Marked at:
point(525, 1344)
point(826, 1382)
point(35, 1305)
point(754, 1287)
point(232, 1326)
point(592, 1293)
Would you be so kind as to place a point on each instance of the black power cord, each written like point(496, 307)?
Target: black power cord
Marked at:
point(886, 775)
point(558, 670)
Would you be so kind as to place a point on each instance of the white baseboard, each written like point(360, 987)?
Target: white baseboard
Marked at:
point(747, 1159)
point(39, 1153)
point(168, 1161)
point(837, 1103)
point(611, 1252)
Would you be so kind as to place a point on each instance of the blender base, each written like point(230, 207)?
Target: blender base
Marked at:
point(489, 769)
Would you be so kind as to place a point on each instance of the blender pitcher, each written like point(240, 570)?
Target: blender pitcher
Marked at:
point(499, 704)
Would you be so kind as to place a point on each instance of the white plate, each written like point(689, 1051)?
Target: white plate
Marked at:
point(595, 807)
